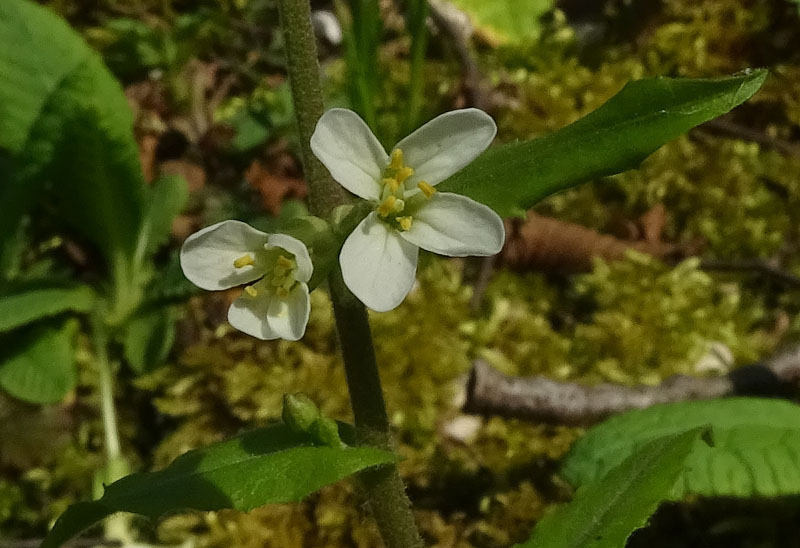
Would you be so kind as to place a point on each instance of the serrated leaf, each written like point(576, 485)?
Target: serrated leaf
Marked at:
point(68, 125)
point(604, 513)
point(24, 303)
point(616, 137)
point(37, 363)
point(148, 338)
point(756, 446)
point(265, 466)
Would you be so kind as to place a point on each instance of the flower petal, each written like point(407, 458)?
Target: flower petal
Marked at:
point(207, 256)
point(297, 248)
point(288, 316)
point(378, 265)
point(352, 154)
point(447, 143)
point(456, 226)
point(249, 315)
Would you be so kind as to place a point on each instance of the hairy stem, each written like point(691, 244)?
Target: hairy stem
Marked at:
point(383, 487)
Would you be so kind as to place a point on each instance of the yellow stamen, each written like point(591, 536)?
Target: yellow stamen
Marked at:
point(285, 262)
point(405, 222)
point(397, 159)
point(426, 189)
point(243, 261)
point(392, 183)
point(250, 290)
point(403, 174)
point(387, 206)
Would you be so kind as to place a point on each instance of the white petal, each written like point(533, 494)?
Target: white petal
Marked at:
point(346, 146)
point(456, 226)
point(207, 256)
point(288, 316)
point(378, 265)
point(300, 252)
point(446, 144)
point(249, 315)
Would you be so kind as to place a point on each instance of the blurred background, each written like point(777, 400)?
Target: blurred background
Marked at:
point(687, 265)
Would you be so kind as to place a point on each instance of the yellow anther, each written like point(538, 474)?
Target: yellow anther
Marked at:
point(285, 262)
point(426, 189)
point(392, 183)
point(405, 222)
point(399, 205)
point(250, 290)
point(387, 206)
point(397, 159)
point(404, 173)
point(243, 261)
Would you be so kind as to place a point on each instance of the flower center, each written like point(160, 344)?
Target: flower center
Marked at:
point(395, 195)
point(280, 279)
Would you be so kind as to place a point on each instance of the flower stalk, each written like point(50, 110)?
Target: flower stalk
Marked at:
point(383, 487)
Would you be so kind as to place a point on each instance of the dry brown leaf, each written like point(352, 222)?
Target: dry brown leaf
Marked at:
point(543, 243)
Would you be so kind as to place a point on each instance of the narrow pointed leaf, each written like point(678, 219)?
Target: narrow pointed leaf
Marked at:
point(616, 137)
point(265, 466)
point(604, 513)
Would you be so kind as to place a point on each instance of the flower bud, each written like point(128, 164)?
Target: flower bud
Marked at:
point(326, 432)
point(299, 412)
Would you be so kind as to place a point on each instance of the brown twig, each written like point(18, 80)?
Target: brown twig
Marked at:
point(731, 129)
point(444, 15)
point(753, 265)
point(540, 399)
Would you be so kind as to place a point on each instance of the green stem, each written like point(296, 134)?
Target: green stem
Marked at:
point(384, 489)
point(106, 387)
point(417, 16)
point(116, 527)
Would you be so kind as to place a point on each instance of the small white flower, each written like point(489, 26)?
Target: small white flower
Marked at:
point(379, 259)
point(233, 253)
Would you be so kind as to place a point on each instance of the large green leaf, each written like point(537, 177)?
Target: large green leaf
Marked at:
point(67, 124)
point(37, 362)
point(756, 450)
point(22, 304)
point(603, 514)
point(269, 465)
point(617, 136)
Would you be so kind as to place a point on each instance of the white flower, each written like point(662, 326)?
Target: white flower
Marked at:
point(233, 253)
point(379, 259)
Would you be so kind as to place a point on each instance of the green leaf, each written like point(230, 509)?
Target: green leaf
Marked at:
point(149, 337)
point(756, 450)
point(67, 123)
point(25, 303)
point(603, 514)
point(266, 466)
point(506, 21)
point(616, 137)
point(166, 199)
point(37, 362)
